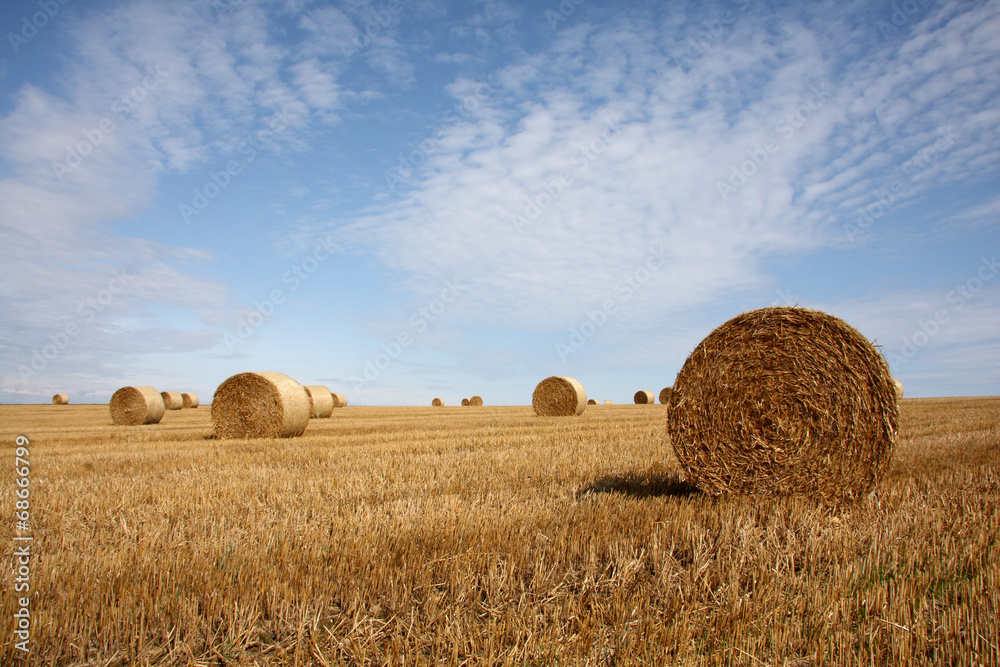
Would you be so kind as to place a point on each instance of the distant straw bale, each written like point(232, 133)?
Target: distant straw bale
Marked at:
point(784, 400)
point(437, 403)
point(60, 399)
point(898, 387)
point(591, 401)
point(476, 401)
point(607, 401)
point(558, 396)
point(260, 405)
point(339, 400)
point(132, 406)
point(190, 400)
point(172, 400)
point(321, 400)
point(665, 395)
point(644, 397)
point(465, 401)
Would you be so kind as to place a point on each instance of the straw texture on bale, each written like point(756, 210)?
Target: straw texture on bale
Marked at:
point(784, 400)
point(899, 388)
point(172, 400)
point(591, 401)
point(559, 396)
point(260, 405)
point(321, 401)
point(465, 401)
point(60, 399)
point(339, 400)
point(665, 395)
point(476, 401)
point(437, 403)
point(190, 400)
point(644, 397)
point(132, 406)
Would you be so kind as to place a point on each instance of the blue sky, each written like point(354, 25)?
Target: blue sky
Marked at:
point(406, 199)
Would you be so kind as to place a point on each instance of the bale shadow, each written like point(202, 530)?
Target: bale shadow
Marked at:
point(641, 486)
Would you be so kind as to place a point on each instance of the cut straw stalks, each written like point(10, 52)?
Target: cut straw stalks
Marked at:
point(784, 400)
point(559, 396)
point(134, 406)
point(260, 405)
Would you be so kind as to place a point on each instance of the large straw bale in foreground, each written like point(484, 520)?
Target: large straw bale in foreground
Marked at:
point(665, 395)
point(320, 401)
point(132, 406)
point(558, 396)
point(190, 400)
point(644, 397)
point(60, 399)
point(260, 405)
point(339, 400)
point(172, 400)
point(784, 400)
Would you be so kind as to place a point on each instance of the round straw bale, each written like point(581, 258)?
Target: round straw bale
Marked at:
point(607, 401)
point(899, 388)
point(558, 396)
point(339, 400)
point(321, 401)
point(260, 405)
point(784, 400)
point(465, 401)
point(644, 397)
point(190, 400)
point(591, 401)
point(437, 403)
point(172, 400)
point(665, 395)
point(132, 406)
point(60, 399)
point(476, 401)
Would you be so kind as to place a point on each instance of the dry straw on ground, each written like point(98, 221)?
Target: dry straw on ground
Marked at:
point(465, 401)
point(260, 405)
point(132, 406)
point(665, 395)
point(321, 401)
point(60, 399)
point(559, 397)
point(172, 400)
point(437, 403)
point(644, 397)
point(784, 400)
point(339, 400)
point(190, 400)
point(476, 401)
point(899, 388)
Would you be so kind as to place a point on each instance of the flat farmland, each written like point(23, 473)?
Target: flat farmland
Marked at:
point(489, 536)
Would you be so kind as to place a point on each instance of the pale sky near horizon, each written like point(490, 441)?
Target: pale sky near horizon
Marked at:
point(406, 199)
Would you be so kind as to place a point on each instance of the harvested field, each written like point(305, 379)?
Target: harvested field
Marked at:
point(426, 536)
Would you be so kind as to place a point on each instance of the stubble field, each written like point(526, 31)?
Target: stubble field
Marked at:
point(489, 536)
